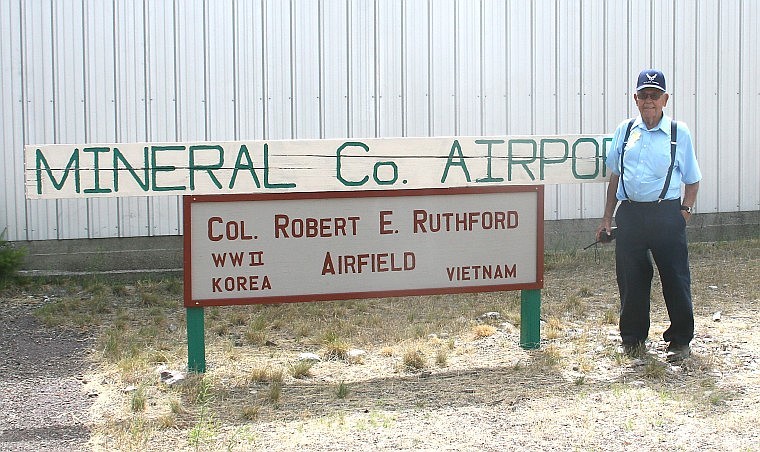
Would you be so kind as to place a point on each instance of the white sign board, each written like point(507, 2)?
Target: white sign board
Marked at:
point(341, 245)
point(160, 169)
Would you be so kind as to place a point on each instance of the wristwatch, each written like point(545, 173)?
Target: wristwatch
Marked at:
point(686, 208)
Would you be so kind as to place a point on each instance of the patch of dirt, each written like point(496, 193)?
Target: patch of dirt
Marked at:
point(575, 392)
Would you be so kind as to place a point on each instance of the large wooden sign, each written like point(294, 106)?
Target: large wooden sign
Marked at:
point(152, 169)
point(340, 245)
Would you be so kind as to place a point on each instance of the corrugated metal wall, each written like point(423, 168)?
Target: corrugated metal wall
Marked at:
point(74, 71)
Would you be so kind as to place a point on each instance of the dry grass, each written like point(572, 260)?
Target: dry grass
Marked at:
point(575, 392)
point(414, 359)
point(483, 330)
point(301, 369)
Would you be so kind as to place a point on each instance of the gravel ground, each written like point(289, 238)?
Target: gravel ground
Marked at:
point(43, 405)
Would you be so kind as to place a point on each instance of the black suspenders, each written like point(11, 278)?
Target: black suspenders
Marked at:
point(622, 153)
point(673, 141)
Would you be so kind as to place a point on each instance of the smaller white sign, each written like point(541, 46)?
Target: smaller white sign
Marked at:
point(326, 246)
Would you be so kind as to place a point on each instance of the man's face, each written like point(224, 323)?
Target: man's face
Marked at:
point(651, 101)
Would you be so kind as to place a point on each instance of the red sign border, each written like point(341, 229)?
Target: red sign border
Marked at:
point(188, 200)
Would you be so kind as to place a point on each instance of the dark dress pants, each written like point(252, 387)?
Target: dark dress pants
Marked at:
point(658, 228)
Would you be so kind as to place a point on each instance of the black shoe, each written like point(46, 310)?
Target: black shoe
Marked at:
point(634, 349)
point(677, 352)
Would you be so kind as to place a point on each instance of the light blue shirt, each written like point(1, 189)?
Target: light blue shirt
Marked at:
point(647, 159)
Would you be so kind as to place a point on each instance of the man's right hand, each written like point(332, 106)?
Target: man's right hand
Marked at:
point(604, 228)
point(609, 207)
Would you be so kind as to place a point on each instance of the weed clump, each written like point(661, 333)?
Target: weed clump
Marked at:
point(250, 412)
point(342, 390)
point(301, 369)
point(414, 359)
point(335, 346)
point(481, 331)
point(10, 260)
point(139, 400)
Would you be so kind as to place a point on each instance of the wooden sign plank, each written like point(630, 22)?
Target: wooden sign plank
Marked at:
point(155, 169)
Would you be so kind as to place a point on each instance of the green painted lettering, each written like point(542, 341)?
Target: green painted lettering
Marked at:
point(96, 169)
point(244, 154)
point(546, 161)
point(267, 184)
point(339, 163)
point(489, 177)
point(73, 163)
point(155, 168)
point(575, 158)
point(119, 157)
point(207, 168)
point(455, 148)
point(390, 181)
point(524, 162)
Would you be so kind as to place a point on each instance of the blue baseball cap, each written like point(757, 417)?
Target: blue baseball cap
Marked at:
point(650, 78)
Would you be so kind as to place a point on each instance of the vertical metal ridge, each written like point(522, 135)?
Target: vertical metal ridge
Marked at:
point(696, 63)
point(85, 73)
point(628, 65)
point(651, 29)
point(116, 102)
point(557, 41)
point(376, 69)
point(718, 134)
point(116, 52)
point(581, 78)
point(23, 50)
point(481, 45)
point(605, 75)
point(349, 131)
point(54, 81)
point(146, 108)
point(533, 67)
point(177, 96)
point(674, 71)
point(90, 226)
point(54, 68)
point(581, 94)
point(206, 72)
point(557, 44)
point(293, 67)
point(507, 70)
point(320, 64)
point(740, 105)
point(456, 68)
point(146, 77)
point(264, 78)
point(403, 69)
point(176, 86)
point(429, 45)
point(235, 81)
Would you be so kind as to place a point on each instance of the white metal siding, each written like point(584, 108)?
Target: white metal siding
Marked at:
point(161, 70)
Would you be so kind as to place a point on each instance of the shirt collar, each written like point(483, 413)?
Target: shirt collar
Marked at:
point(664, 124)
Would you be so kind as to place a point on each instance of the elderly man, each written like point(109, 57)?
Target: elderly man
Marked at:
point(651, 157)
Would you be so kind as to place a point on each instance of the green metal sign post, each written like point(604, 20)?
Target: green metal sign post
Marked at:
point(530, 318)
point(530, 329)
point(196, 343)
